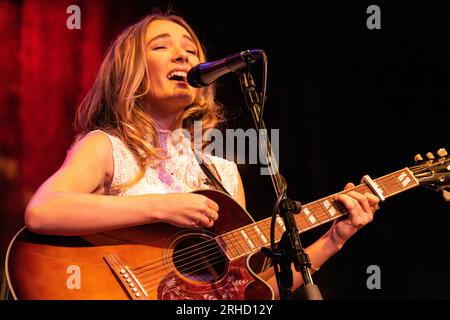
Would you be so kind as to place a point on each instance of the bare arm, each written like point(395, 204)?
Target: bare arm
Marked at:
point(68, 203)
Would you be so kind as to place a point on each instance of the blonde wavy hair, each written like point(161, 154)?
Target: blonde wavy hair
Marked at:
point(116, 101)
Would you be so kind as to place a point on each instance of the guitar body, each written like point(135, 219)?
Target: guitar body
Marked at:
point(156, 261)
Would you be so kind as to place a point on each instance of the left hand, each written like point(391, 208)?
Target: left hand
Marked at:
point(360, 207)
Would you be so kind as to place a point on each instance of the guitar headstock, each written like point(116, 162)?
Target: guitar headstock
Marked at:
point(434, 172)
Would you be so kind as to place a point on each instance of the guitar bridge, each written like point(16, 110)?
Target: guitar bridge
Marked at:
point(126, 277)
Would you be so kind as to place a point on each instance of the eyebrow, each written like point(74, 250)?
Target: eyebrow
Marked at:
point(166, 35)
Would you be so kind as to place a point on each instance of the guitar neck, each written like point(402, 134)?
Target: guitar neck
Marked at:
point(251, 238)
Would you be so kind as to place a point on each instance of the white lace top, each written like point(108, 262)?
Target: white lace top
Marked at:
point(179, 173)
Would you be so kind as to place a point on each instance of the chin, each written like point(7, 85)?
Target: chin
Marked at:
point(185, 99)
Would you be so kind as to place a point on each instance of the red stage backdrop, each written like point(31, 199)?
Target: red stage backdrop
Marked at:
point(45, 70)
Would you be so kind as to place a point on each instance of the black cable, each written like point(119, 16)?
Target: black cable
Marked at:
point(263, 98)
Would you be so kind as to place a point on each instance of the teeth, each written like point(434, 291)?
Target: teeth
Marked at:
point(182, 74)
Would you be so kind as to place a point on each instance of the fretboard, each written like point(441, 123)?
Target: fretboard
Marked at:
point(251, 238)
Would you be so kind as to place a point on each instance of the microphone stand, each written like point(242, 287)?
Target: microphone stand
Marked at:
point(289, 249)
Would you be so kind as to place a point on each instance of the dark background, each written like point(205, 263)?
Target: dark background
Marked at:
point(348, 101)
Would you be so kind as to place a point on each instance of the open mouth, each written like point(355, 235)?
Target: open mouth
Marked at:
point(177, 76)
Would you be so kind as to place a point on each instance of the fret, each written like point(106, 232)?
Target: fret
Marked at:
point(362, 188)
point(328, 207)
point(229, 245)
point(237, 244)
point(406, 180)
point(382, 187)
point(260, 236)
point(394, 186)
point(242, 243)
point(253, 236)
point(297, 222)
point(280, 224)
point(277, 233)
point(264, 230)
point(264, 225)
point(301, 219)
point(397, 182)
point(310, 216)
point(226, 248)
point(321, 214)
point(247, 239)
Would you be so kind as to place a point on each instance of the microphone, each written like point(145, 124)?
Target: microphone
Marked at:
point(203, 74)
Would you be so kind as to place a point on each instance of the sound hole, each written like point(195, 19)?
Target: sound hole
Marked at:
point(199, 258)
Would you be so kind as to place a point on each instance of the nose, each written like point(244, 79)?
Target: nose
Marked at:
point(181, 56)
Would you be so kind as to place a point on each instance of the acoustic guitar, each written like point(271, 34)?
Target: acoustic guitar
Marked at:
point(160, 261)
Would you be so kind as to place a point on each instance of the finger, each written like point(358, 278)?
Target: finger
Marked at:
point(353, 209)
point(194, 223)
point(199, 220)
point(349, 202)
point(349, 186)
point(212, 204)
point(373, 199)
point(215, 215)
point(205, 221)
point(211, 214)
point(367, 209)
point(363, 201)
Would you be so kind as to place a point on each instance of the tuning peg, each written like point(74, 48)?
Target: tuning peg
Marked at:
point(418, 157)
point(446, 195)
point(442, 152)
point(430, 156)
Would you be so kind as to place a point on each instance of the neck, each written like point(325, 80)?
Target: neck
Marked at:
point(166, 121)
point(165, 115)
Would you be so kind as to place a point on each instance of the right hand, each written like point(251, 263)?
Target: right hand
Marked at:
point(189, 210)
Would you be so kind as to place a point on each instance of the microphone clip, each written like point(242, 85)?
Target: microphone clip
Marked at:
point(250, 56)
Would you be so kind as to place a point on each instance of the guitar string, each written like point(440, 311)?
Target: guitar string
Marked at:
point(175, 257)
point(189, 248)
point(154, 280)
point(217, 259)
point(201, 266)
point(388, 176)
point(214, 239)
point(191, 269)
point(175, 260)
point(210, 264)
point(202, 245)
point(217, 256)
